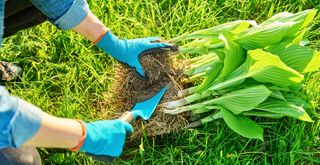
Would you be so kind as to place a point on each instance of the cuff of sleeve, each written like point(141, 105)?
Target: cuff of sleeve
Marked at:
point(77, 12)
point(27, 122)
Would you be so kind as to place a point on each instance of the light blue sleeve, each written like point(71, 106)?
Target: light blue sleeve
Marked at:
point(19, 120)
point(65, 14)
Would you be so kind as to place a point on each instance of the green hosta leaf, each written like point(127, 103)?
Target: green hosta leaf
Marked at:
point(205, 48)
point(262, 67)
point(236, 78)
point(276, 93)
point(234, 56)
point(285, 108)
point(277, 18)
point(201, 42)
point(266, 67)
point(250, 82)
point(234, 27)
point(305, 17)
point(298, 101)
point(305, 41)
point(220, 53)
point(296, 87)
point(262, 36)
point(236, 101)
point(202, 66)
point(210, 76)
point(244, 99)
point(299, 38)
point(300, 58)
point(207, 119)
point(243, 25)
point(281, 89)
point(211, 117)
point(259, 113)
point(242, 125)
point(308, 19)
point(196, 50)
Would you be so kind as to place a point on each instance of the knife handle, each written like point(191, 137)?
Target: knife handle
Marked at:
point(127, 116)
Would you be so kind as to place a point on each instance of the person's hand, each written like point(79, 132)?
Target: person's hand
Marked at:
point(106, 137)
point(128, 51)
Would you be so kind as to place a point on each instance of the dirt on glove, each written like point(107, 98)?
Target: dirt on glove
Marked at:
point(127, 88)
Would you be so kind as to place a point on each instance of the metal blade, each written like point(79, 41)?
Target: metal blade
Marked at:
point(146, 108)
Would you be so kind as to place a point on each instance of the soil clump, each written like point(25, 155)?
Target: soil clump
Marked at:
point(127, 88)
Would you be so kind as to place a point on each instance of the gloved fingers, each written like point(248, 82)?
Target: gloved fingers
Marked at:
point(156, 45)
point(137, 66)
point(140, 71)
point(172, 48)
point(127, 127)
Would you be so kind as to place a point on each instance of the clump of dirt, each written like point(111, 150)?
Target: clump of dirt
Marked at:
point(128, 88)
point(158, 73)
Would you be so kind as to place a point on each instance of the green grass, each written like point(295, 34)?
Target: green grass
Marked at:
point(67, 76)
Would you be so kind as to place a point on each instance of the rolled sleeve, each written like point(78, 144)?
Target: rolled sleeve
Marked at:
point(20, 120)
point(65, 14)
point(76, 13)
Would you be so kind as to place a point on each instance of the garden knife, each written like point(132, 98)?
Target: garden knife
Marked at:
point(143, 109)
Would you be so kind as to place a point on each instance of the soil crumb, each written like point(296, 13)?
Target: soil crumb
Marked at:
point(127, 88)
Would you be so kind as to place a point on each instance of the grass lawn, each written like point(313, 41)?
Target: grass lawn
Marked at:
point(67, 76)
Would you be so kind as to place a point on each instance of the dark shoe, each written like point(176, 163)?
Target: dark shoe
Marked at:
point(20, 156)
point(9, 71)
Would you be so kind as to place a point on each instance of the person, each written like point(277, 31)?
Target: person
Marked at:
point(24, 126)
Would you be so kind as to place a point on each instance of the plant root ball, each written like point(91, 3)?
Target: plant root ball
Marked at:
point(128, 88)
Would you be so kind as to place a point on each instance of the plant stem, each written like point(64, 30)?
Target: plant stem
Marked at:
point(201, 49)
point(179, 38)
point(187, 100)
point(205, 109)
point(227, 83)
point(203, 61)
point(188, 91)
point(201, 57)
point(216, 46)
point(200, 68)
point(205, 120)
point(194, 77)
point(192, 98)
point(184, 109)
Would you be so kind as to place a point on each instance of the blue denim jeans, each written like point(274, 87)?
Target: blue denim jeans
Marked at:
point(20, 156)
point(20, 14)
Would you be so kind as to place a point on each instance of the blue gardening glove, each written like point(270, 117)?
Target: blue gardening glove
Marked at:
point(106, 137)
point(128, 51)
